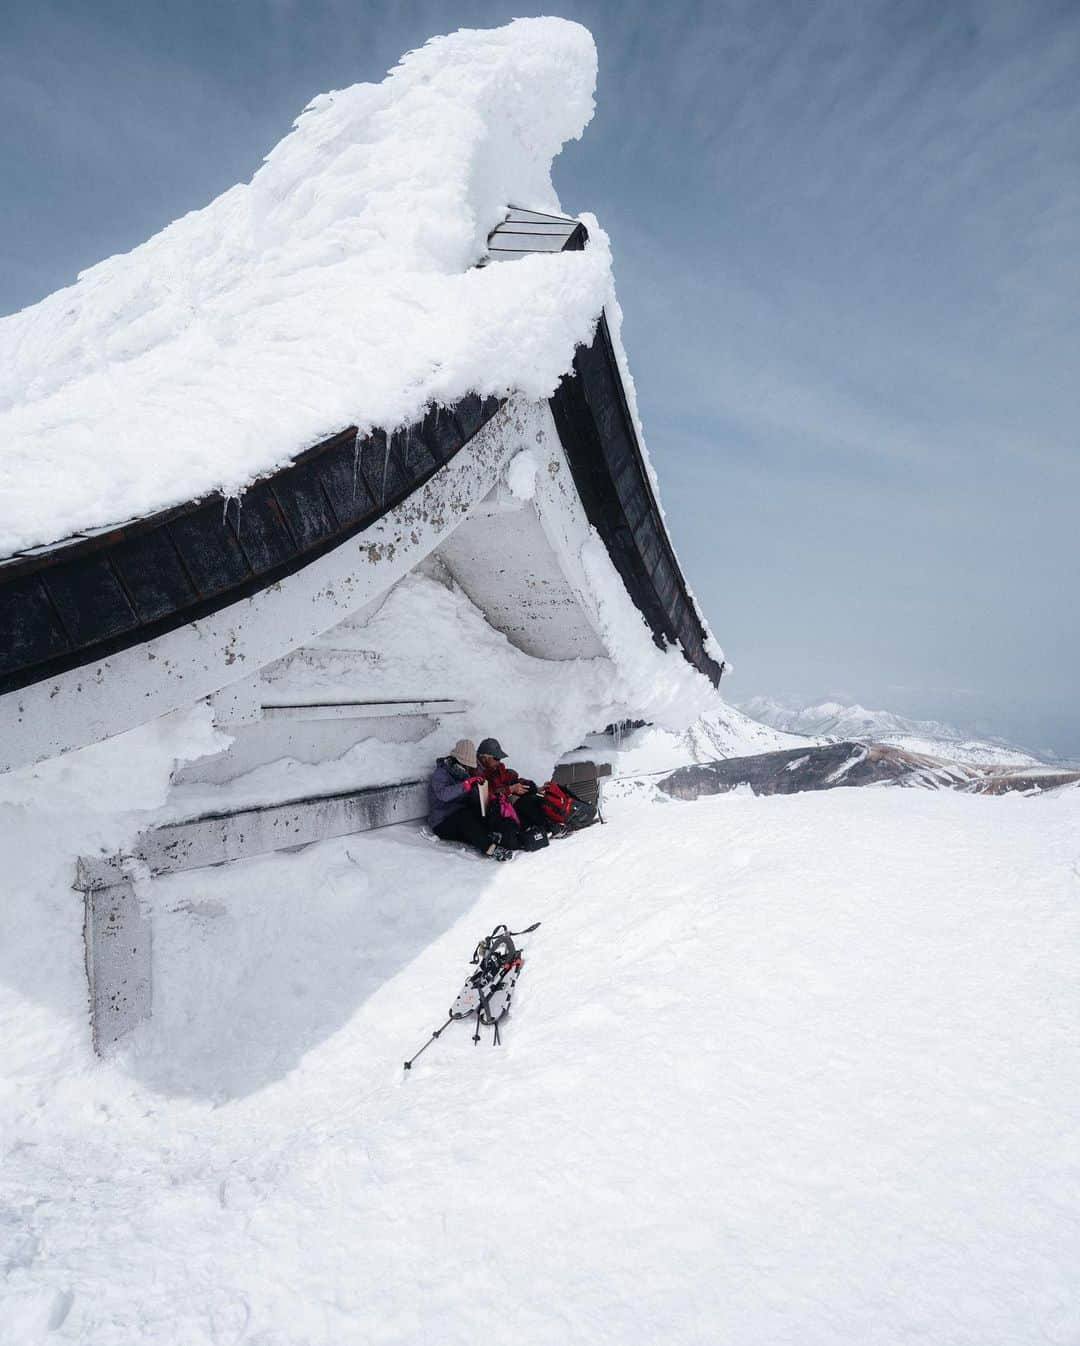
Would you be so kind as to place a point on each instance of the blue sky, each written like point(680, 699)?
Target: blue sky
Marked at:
point(847, 241)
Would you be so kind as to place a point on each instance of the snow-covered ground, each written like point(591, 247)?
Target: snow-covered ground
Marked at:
point(794, 1069)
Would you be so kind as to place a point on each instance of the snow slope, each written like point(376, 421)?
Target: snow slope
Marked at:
point(337, 287)
point(972, 752)
point(834, 720)
point(796, 1069)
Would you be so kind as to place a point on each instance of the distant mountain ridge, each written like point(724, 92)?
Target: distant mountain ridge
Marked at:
point(839, 721)
point(833, 720)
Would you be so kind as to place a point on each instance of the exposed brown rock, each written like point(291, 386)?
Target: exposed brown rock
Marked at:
point(850, 764)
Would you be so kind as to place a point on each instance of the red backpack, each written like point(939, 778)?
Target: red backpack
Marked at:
point(564, 810)
point(556, 804)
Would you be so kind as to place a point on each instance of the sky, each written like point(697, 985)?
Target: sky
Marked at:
point(847, 247)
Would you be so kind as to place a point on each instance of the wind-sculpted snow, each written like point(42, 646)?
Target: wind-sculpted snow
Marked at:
point(338, 287)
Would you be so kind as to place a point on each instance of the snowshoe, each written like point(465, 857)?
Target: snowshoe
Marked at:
point(497, 1005)
point(487, 991)
point(486, 996)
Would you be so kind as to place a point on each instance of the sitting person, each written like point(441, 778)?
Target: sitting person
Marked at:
point(455, 812)
point(507, 787)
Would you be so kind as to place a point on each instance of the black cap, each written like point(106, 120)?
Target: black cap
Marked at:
point(489, 747)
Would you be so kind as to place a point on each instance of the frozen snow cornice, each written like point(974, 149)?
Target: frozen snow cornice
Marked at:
point(337, 288)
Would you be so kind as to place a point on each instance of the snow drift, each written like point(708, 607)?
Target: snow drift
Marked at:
point(338, 287)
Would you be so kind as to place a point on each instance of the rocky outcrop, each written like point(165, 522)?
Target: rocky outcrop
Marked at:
point(850, 764)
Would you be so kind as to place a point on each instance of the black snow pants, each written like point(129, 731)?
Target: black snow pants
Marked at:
point(467, 824)
point(529, 809)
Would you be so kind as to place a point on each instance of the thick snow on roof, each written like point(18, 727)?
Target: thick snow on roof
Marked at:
point(337, 287)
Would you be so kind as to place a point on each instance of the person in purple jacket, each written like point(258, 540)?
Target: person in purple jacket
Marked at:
point(454, 808)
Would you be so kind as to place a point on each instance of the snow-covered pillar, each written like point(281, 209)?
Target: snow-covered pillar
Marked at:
point(118, 940)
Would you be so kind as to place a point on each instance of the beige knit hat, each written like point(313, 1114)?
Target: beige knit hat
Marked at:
point(465, 752)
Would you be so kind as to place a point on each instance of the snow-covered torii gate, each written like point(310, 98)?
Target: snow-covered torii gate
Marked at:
point(540, 509)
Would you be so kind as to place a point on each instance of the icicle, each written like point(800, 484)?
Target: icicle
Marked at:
point(385, 468)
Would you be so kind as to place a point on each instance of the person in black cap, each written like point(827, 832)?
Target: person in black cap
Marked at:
point(506, 785)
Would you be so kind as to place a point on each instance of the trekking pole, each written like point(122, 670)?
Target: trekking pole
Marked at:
point(440, 1029)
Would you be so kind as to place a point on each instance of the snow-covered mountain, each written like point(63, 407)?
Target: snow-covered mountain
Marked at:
point(724, 732)
point(834, 720)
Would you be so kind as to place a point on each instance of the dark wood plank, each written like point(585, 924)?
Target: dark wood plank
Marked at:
point(90, 600)
point(30, 630)
point(152, 575)
point(209, 550)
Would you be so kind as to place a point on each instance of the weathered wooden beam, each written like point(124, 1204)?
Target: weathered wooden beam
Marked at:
point(361, 710)
point(117, 938)
point(216, 838)
point(152, 668)
point(117, 932)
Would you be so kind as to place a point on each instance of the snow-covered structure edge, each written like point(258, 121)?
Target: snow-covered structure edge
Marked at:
point(108, 630)
point(285, 625)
